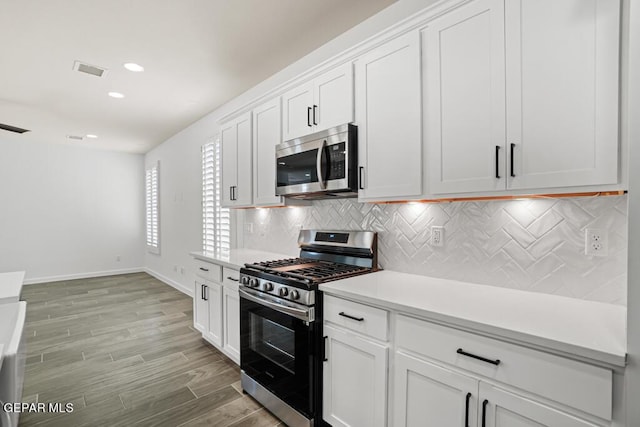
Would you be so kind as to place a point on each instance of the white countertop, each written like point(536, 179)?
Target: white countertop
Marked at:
point(237, 258)
point(11, 286)
point(568, 326)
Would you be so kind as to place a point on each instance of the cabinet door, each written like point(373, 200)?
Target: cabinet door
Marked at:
point(297, 109)
point(236, 162)
point(504, 409)
point(354, 380)
point(231, 333)
point(333, 98)
point(562, 91)
point(464, 99)
point(266, 135)
point(243, 193)
point(429, 395)
point(229, 139)
point(214, 302)
point(388, 115)
point(200, 307)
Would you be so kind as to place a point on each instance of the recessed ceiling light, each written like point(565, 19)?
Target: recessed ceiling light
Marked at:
point(116, 95)
point(132, 66)
point(92, 136)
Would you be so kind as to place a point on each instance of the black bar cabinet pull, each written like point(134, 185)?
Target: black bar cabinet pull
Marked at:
point(484, 413)
point(466, 410)
point(202, 292)
point(484, 359)
point(231, 192)
point(309, 116)
point(324, 349)
point(360, 178)
point(204, 269)
point(513, 146)
point(233, 278)
point(497, 161)
point(315, 107)
point(348, 316)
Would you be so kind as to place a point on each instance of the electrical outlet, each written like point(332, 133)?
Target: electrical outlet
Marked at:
point(437, 235)
point(249, 227)
point(596, 242)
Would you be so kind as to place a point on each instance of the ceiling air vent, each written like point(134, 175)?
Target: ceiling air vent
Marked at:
point(12, 128)
point(75, 137)
point(89, 69)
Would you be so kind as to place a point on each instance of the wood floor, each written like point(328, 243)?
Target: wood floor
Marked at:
point(123, 350)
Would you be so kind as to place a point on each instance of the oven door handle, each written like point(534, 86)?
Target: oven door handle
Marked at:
point(306, 315)
point(319, 169)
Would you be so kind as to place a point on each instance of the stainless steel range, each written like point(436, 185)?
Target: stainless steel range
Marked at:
point(282, 348)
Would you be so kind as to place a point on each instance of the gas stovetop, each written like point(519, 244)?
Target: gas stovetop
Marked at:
point(324, 256)
point(308, 270)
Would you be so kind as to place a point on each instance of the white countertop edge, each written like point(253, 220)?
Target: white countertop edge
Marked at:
point(11, 286)
point(237, 258)
point(573, 351)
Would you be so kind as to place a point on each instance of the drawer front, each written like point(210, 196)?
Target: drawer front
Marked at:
point(230, 278)
point(208, 271)
point(358, 317)
point(576, 384)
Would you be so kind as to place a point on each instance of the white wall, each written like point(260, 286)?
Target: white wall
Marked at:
point(179, 156)
point(68, 212)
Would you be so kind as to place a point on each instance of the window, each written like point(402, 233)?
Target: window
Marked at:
point(151, 189)
point(216, 224)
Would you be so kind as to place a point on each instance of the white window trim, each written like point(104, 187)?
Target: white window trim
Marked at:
point(216, 220)
point(152, 208)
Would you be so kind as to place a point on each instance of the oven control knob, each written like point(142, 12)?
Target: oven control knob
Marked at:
point(253, 283)
point(283, 292)
point(245, 280)
point(295, 294)
point(268, 286)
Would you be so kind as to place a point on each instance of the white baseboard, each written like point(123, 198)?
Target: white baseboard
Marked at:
point(184, 289)
point(82, 275)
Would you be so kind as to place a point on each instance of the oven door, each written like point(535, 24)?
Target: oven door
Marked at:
point(314, 166)
point(276, 347)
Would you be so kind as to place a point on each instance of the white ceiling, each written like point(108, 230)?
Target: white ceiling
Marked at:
point(197, 55)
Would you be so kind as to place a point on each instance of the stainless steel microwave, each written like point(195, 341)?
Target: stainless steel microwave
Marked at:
point(318, 166)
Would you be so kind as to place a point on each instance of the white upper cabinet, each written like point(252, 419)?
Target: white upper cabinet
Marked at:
point(464, 98)
point(562, 92)
point(266, 135)
point(388, 116)
point(236, 162)
point(325, 102)
point(522, 94)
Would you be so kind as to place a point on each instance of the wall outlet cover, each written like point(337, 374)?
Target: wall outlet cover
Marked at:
point(437, 235)
point(596, 242)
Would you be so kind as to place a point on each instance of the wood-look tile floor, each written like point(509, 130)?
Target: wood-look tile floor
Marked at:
point(123, 350)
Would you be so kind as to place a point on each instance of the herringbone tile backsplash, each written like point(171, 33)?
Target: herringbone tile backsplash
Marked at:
point(532, 244)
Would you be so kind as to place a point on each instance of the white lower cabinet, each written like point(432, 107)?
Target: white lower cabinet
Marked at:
point(207, 310)
point(214, 302)
point(216, 307)
point(506, 409)
point(355, 380)
point(448, 377)
point(231, 309)
point(430, 395)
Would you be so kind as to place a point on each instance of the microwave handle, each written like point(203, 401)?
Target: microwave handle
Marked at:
point(319, 170)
